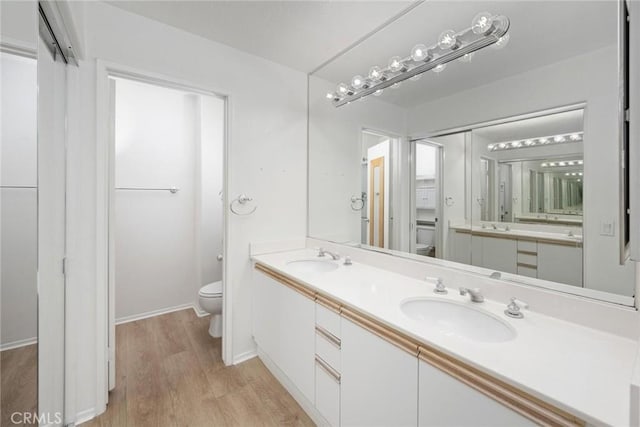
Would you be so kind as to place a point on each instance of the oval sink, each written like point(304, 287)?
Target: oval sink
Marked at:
point(452, 318)
point(312, 265)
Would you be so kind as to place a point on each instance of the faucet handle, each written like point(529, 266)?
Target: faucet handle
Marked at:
point(347, 260)
point(440, 287)
point(320, 252)
point(514, 308)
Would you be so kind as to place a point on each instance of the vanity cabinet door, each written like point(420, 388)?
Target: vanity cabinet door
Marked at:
point(559, 263)
point(500, 254)
point(379, 382)
point(445, 401)
point(459, 248)
point(284, 328)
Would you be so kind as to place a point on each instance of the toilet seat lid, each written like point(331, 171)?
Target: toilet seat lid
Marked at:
point(212, 289)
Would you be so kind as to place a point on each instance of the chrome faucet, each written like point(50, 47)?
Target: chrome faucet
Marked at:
point(495, 227)
point(334, 255)
point(475, 294)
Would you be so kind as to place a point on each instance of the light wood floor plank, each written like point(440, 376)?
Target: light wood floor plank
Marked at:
point(170, 373)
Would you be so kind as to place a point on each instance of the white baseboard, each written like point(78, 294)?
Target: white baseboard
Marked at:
point(154, 313)
point(18, 344)
point(306, 405)
point(243, 357)
point(84, 416)
point(199, 312)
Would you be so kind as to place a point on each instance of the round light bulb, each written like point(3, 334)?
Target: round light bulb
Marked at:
point(580, 162)
point(378, 92)
point(502, 41)
point(438, 68)
point(574, 137)
point(395, 85)
point(491, 147)
point(528, 142)
point(447, 39)
point(357, 82)
point(419, 53)
point(342, 89)
point(543, 140)
point(544, 165)
point(502, 145)
point(330, 95)
point(395, 64)
point(562, 164)
point(580, 173)
point(482, 23)
point(567, 174)
point(375, 73)
point(416, 77)
point(559, 138)
point(467, 57)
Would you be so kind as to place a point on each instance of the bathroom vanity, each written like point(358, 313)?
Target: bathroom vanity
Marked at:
point(355, 344)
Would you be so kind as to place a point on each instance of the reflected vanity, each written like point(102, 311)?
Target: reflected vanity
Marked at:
point(504, 163)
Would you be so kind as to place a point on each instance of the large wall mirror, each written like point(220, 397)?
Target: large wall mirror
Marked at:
point(502, 158)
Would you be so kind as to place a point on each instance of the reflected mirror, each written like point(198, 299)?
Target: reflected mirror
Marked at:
point(490, 148)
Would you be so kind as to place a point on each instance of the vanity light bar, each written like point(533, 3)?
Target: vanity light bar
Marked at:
point(533, 142)
point(573, 174)
point(562, 163)
point(485, 30)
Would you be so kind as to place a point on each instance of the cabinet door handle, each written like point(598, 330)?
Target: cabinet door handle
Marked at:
point(328, 336)
point(328, 369)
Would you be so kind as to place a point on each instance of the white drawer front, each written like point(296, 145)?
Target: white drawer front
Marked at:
point(526, 245)
point(527, 271)
point(327, 319)
point(527, 259)
point(327, 395)
point(328, 349)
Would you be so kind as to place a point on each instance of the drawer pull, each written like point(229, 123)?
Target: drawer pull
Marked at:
point(328, 369)
point(328, 336)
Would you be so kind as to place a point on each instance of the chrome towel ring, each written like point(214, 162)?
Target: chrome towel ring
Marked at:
point(241, 201)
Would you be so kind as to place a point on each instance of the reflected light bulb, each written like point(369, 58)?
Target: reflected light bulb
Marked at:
point(559, 138)
point(491, 147)
point(482, 23)
point(395, 64)
point(574, 137)
point(416, 77)
point(438, 68)
point(502, 41)
point(395, 85)
point(447, 40)
point(544, 165)
point(467, 57)
point(357, 82)
point(378, 92)
point(528, 142)
point(580, 162)
point(419, 53)
point(329, 95)
point(375, 73)
point(543, 140)
point(502, 145)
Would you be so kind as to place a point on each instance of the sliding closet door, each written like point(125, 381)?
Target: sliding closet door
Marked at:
point(51, 232)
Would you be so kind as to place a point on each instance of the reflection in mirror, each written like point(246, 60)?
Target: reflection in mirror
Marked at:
point(486, 159)
point(18, 231)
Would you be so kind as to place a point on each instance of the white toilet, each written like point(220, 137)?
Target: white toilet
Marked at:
point(210, 298)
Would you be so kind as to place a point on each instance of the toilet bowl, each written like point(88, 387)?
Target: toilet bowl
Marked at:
point(210, 299)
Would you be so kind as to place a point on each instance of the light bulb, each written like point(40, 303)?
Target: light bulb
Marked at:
point(580, 173)
point(559, 138)
point(528, 142)
point(416, 77)
point(570, 163)
point(438, 68)
point(447, 40)
point(330, 95)
point(342, 89)
point(357, 82)
point(482, 23)
point(543, 140)
point(502, 41)
point(502, 145)
point(579, 180)
point(574, 137)
point(375, 73)
point(561, 164)
point(544, 165)
point(467, 57)
point(420, 53)
point(567, 174)
point(378, 92)
point(580, 162)
point(395, 64)
point(552, 164)
point(395, 85)
point(491, 147)
point(515, 144)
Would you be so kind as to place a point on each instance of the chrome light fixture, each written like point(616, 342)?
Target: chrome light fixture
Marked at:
point(486, 30)
point(534, 142)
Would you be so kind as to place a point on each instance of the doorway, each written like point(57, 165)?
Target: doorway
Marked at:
point(166, 217)
point(427, 199)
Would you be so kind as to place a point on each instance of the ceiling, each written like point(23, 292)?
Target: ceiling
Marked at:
point(300, 34)
point(541, 33)
point(552, 124)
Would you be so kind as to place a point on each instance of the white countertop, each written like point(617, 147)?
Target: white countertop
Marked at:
point(501, 232)
point(584, 371)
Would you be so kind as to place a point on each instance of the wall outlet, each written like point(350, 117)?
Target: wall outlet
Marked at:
point(607, 228)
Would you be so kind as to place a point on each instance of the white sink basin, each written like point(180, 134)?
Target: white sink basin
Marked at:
point(312, 265)
point(452, 318)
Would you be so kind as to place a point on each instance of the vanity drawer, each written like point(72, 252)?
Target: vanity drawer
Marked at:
point(328, 320)
point(527, 246)
point(327, 393)
point(328, 348)
point(526, 258)
point(528, 271)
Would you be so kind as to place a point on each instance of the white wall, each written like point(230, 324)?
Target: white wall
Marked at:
point(589, 78)
point(335, 150)
point(19, 24)
point(267, 157)
point(156, 133)
point(18, 207)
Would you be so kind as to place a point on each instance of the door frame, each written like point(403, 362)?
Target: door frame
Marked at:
point(105, 174)
point(377, 162)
